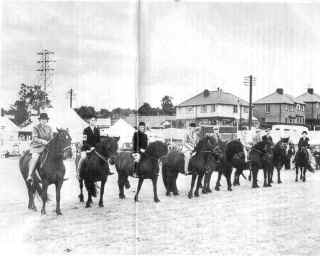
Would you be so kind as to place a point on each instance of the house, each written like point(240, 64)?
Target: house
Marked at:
point(279, 108)
point(213, 108)
point(312, 107)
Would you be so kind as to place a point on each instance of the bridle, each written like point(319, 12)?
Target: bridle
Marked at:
point(101, 156)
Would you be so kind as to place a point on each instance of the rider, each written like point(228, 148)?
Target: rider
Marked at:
point(91, 136)
point(304, 142)
point(267, 137)
point(41, 135)
point(257, 137)
point(190, 141)
point(140, 143)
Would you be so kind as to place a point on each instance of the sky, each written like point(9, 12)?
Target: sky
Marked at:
point(185, 47)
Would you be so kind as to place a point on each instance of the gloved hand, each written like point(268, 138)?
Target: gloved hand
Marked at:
point(44, 142)
point(142, 150)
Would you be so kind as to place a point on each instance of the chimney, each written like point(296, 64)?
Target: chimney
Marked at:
point(206, 93)
point(310, 90)
point(279, 91)
point(219, 91)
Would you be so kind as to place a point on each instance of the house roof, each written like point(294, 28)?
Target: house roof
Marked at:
point(277, 97)
point(308, 97)
point(214, 97)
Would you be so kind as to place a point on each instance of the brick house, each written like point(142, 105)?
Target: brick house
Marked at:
point(312, 107)
point(214, 108)
point(279, 108)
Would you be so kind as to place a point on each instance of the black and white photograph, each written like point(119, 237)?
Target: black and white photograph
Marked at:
point(160, 127)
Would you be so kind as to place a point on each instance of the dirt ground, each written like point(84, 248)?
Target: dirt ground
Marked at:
point(282, 220)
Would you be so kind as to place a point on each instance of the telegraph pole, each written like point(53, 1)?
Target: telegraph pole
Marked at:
point(71, 96)
point(45, 66)
point(249, 80)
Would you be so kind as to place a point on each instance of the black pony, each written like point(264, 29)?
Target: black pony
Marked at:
point(279, 158)
point(261, 157)
point(203, 163)
point(49, 170)
point(148, 166)
point(94, 168)
point(234, 158)
point(302, 163)
point(172, 164)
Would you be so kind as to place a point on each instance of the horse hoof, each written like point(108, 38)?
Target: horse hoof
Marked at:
point(196, 194)
point(156, 200)
point(168, 193)
point(122, 196)
point(217, 189)
point(204, 191)
point(136, 199)
point(296, 180)
point(59, 213)
point(175, 193)
point(229, 189)
point(255, 186)
point(265, 185)
point(209, 190)
point(101, 205)
point(304, 180)
point(81, 198)
point(88, 205)
point(43, 212)
point(279, 181)
point(190, 195)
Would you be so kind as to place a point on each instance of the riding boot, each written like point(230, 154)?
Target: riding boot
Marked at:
point(135, 169)
point(32, 167)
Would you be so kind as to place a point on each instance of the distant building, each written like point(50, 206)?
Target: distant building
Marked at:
point(157, 121)
point(214, 108)
point(103, 124)
point(279, 108)
point(312, 107)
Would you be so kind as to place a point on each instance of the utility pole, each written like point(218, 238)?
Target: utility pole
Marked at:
point(249, 81)
point(45, 66)
point(71, 96)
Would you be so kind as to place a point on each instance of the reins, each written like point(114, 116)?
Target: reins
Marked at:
point(101, 156)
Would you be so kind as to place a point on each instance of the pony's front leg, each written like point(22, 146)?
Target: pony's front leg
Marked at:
point(103, 182)
point(136, 199)
point(279, 179)
point(205, 183)
point(209, 180)
point(155, 193)
point(217, 188)
point(193, 180)
point(265, 177)
point(196, 192)
point(58, 190)
point(121, 186)
point(44, 196)
point(228, 178)
point(297, 173)
point(304, 174)
point(81, 190)
point(255, 178)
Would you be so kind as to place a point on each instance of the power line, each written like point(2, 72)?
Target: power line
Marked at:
point(45, 68)
point(71, 96)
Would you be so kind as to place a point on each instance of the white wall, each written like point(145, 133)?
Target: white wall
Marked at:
point(220, 110)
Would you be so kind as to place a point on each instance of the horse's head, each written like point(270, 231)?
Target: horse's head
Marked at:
point(157, 149)
point(108, 147)
point(61, 144)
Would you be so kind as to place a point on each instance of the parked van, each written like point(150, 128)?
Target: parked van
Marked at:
point(292, 131)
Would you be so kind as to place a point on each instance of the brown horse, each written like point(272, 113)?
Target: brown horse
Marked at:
point(95, 168)
point(50, 169)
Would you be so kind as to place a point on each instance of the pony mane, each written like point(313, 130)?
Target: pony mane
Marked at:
point(157, 149)
point(233, 147)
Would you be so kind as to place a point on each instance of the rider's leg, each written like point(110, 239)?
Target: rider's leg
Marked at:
point(32, 165)
point(187, 156)
point(83, 156)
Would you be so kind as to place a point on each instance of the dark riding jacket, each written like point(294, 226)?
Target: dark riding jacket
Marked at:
point(139, 141)
point(268, 139)
point(90, 138)
point(303, 142)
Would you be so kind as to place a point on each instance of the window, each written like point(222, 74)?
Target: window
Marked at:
point(286, 107)
point(245, 109)
point(203, 109)
point(298, 107)
point(286, 120)
point(213, 108)
point(235, 108)
point(267, 108)
point(189, 109)
point(302, 107)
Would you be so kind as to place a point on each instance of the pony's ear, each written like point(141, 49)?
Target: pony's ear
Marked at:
point(54, 134)
point(58, 130)
point(117, 138)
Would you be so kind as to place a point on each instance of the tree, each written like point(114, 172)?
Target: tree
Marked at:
point(31, 98)
point(85, 112)
point(145, 109)
point(167, 106)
